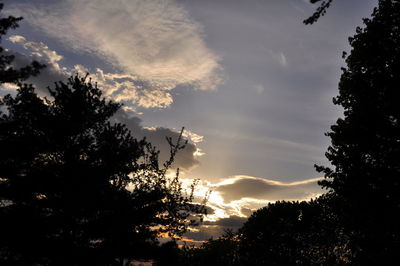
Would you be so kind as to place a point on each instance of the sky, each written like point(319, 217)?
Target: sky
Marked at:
point(251, 84)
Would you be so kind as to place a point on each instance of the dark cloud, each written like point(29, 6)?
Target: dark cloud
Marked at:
point(210, 229)
point(203, 233)
point(47, 76)
point(232, 222)
point(264, 189)
point(157, 136)
point(246, 211)
point(209, 210)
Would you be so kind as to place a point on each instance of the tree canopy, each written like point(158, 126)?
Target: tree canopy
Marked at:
point(79, 189)
point(365, 147)
point(282, 233)
point(7, 72)
point(293, 233)
point(72, 180)
point(76, 188)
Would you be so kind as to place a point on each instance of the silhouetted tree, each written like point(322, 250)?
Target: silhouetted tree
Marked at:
point(321, 10)
point(220, 251)
point(7, 73)
point(65, 172)
point(365, 147)
point(267, 238)
point(292, 233)
point(76, 189)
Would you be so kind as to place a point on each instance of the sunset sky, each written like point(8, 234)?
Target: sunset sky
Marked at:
point(251, 84)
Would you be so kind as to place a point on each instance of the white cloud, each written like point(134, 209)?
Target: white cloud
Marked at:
point(155, 98)
point(129, 89)
point(199, 152)
point(155, 39)
point(154, 44)
point(17, 39)
point(7, 88)
point(38, 50)
point(282, 59)
point(195, 138)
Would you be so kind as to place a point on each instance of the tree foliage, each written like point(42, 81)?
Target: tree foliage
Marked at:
point(75, 188)
point(319, 12)
point(7, 72)
point(282, 233)
point(72, 180)
point(365, 147)
point(220, 251)
point(293, 233)
point(64, 176)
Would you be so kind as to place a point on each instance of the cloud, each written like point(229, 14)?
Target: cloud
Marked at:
point(242, 195)
point(40, 52)
point(185, 158)
point(279, 57)
point(282, 59)
point(17, 39)
point(234, 199)
point(215, 229)
point(232, 222)
point(7, 88)
point(198, 235)
point(240, 187)
point(116, 86)
point(246, 211)
point(129, 89)
point(195, 138)
point(124, 88)
point(155, 40)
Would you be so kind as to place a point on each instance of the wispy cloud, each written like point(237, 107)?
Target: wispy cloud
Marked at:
point(279, 57)
point(282, 59)
point(155, 40)
point(240, 187)
point(125, 88)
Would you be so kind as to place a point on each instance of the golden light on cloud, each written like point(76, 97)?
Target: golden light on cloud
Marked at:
point(199, 152)
point(234, 199)
point(241, 195)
